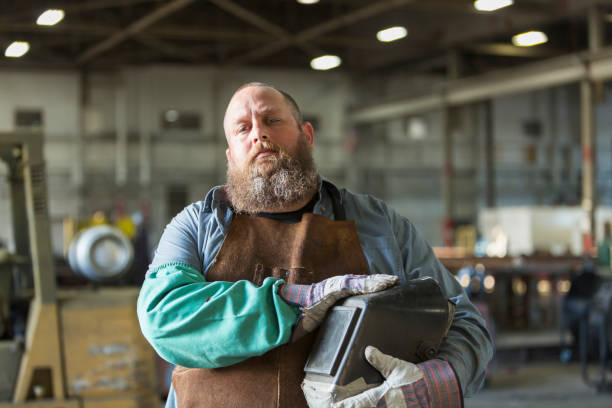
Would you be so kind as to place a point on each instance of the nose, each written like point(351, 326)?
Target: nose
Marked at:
point(259, 133)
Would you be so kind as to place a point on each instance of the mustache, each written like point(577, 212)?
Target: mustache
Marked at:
point(266, 147)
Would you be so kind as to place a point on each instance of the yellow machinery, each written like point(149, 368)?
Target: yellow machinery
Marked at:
point(73, 340)
point(40, 372)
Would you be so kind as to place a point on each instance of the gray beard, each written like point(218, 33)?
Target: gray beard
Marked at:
point(291, 180)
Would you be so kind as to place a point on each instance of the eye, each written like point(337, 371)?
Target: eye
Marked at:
point(242, 129)
point(273, 120)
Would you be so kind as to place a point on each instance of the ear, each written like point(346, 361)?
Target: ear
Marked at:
point(309, 131)
point(228, 154)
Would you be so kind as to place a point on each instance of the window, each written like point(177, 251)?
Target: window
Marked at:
point(28, 119)
point(532, 128)
point(180, 120)
point(176, 199)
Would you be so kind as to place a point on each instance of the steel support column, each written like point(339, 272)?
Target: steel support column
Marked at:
point(596, 29)
point(449, 120)
point(121, 146)
point(588, 89)
point(489, 154)
point(587, 138)
point(145, 155)
point(78, 164)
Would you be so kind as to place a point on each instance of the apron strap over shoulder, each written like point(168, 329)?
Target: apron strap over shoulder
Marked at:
point(339, 213)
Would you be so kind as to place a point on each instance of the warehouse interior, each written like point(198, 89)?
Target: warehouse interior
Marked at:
point(498, 151)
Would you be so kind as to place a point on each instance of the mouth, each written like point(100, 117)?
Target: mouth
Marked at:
point(265, 153)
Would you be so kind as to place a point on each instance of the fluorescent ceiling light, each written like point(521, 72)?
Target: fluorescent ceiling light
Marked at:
point(490, 5)
point(391, 34)
point(50, 17)
point(17, 49)
point(325, 62)
point(307, 1)
point(529, 39)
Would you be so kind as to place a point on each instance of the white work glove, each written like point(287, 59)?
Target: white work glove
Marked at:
point(314, 300)
point(400, 377)
point(405, 385)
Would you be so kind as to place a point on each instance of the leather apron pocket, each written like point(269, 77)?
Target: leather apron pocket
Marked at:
point(300, 276)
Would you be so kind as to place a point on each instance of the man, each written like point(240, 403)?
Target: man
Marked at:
point(241, 280)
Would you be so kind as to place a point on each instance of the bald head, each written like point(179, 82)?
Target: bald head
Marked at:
point(286, 98)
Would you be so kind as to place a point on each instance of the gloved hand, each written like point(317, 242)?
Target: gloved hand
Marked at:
point(428, 384)
point(403, 386)
point(314, 300)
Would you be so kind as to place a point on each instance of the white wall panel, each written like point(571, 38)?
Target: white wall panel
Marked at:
point(58, 156)
point(187, 156)
point(55, 93)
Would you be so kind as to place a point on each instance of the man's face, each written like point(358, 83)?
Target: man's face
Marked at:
point(270, 165)
point(258, 125)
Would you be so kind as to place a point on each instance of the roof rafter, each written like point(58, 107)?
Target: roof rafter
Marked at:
point(318, 30)
point(133, 29)
point(265, 25)
point(89, 5)
point(505, 25)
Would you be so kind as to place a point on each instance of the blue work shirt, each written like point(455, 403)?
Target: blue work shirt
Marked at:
point(180, 312)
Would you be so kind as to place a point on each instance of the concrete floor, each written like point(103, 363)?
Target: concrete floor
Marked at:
point(540, 385)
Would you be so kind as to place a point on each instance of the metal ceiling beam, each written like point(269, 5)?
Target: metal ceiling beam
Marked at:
point(428, 64)
point(554, 72)
point(318, 30)
point(181, 33)
point(509, 50)
point(166, 32)
point(169, 49)
point(495, 26)
point(74, 7)
point(133, 29)
point(356, 42)
point(187, 33)
point(102, 4)
point(252, 18)
point(519, 9)
point(410, 56)
point(91, 29)
point(264, 25)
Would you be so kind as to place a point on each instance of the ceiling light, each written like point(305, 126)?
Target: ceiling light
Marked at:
point(391, 34)
point(465, 280)
point(489, 283)
point(529, 39)
point(543, 287)
point(325, 62)
point(17, 49)
point(50, 17)
point(563, 286)
point(490, 5)
point(307, 1)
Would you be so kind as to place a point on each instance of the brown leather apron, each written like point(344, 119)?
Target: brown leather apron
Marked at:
point(306, 252)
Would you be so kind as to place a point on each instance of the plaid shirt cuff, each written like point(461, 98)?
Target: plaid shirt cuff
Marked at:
point(413, 395)
point(442, 384)
point(295, 294)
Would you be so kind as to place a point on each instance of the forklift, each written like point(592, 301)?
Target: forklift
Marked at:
point(40, 371)
point(38, 355)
